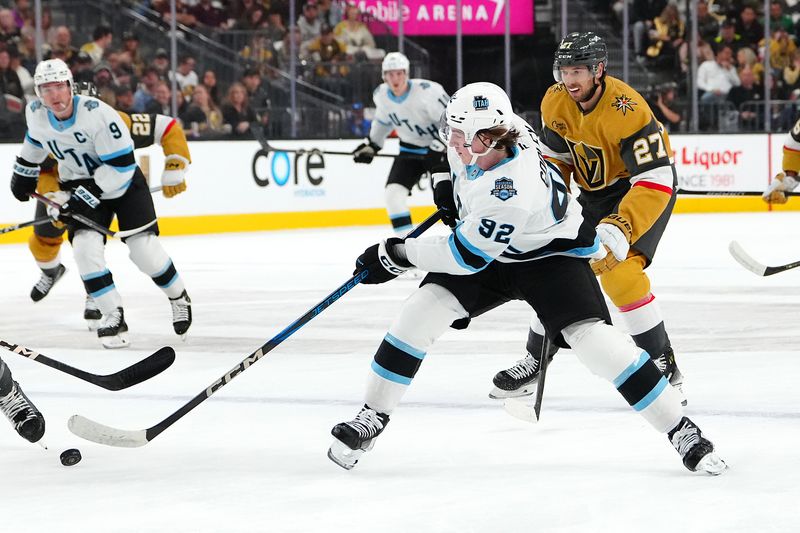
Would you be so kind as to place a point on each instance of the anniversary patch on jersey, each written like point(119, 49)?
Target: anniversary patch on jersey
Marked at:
point(504, 189)
point(623, 103)
point(590, 165)
point(91, 104)
point(36, 104)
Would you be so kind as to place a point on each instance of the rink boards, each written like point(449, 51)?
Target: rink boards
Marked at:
point(236, 186)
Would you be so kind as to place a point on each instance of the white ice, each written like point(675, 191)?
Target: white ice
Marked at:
point(253, 457)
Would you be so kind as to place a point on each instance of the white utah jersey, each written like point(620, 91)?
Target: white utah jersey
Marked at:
point(519, 210)
point(414, 115)
point(93, 143)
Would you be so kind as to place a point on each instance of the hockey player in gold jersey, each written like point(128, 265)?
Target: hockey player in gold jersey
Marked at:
point(786, 180)
point(146, 130)
point(601, 133)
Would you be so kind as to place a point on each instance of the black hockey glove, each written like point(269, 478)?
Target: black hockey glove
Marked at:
point(365, 152)
point(83, 200)
point(444, 198)
point(383, 261)
point(24, 179)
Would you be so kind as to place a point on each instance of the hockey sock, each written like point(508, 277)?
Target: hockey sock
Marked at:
point(536, 339)
point(396, 197)
point(147, 253)
point(97, 279)
point(645, 323)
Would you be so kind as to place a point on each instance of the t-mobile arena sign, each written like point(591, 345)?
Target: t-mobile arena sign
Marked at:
point(438, 17)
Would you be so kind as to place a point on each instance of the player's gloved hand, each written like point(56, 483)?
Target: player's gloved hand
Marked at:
point(83, 201)
point(24, 179)
point(615, 234)
point(173, 180)
point(384, 261)
point(444, 198)
point(776, 191)
point(365, 152)
point(59, 197)
point(437, 146)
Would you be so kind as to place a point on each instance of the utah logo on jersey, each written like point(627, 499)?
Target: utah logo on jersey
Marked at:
point(590, 165)
point(504, 189)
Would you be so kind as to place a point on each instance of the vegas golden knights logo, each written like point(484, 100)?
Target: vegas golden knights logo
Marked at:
point(590, 166)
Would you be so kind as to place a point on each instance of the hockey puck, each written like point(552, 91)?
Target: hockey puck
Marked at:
point(70, 457)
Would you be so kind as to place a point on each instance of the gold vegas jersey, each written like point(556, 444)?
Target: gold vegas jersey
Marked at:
point(618, 144)
point(791, 149)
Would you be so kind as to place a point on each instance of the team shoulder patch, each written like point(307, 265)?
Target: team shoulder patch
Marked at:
point(36, 105)
point(624, 104)
point(504, 189)
point(425, 85)
point(91, 104)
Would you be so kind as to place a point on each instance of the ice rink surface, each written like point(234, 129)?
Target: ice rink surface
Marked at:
point(253, 457)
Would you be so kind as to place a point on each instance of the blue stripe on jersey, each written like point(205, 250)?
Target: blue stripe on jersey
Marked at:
point(645, 402)
point(407, 348)
point(61, 125)
point(94, 275)
point(389, 375)
point(420, 151)
point(474, 249)
point(633, 367)
point(464, 254)
point(399, 99)
point(33, 141)
point(118, 153)
point(382, 122)
point(586, 250)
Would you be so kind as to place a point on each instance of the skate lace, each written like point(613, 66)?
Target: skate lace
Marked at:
point(180, 310)
point(113, 320)
point(44, 284)
point(367, 423)
point(685, 438)
point(91, 305)
point(13, 404)
point(524, 368)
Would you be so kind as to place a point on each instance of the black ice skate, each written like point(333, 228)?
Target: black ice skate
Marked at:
point(697, 451)
point(23, 415)
point(113, 330)
point(666, 364)
point(46, 282)
point(519, 380)
point(181, 314)
point(92, 314)
point(356, 437)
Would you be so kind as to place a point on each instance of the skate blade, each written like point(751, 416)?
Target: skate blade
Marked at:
point(712, 465)
point(521, 410)
point(343, 456)
point(115, 342)
point(526, 390)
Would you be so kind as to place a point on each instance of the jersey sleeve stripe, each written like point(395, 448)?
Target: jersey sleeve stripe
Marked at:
point(33, 141)
point(169, 127)
point(465, 258)
point(654, 186)
point(784, 147)
point(473, 249)
point(108, 157)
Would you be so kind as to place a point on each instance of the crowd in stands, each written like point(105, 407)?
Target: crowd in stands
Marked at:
point(731, 44)
point(330, 40)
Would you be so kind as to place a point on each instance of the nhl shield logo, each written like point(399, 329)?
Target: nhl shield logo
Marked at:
point(480, 103)
point(504, 189)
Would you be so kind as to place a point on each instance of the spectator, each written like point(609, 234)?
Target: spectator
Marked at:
point(749, 28)
point(259, 51)
point(9, 32)
point(781, 49)
point(284, 51)
point(130, 45)
point(747, 91)
point(791, 74)
point(183, 12)
point(25, 78)
point(101, 40)
point(124, 97)
point(276, 29)
point(237, 16)
point(201, 117)
point(208, 15)
point(707, 24)
point(728, 37)
point(82, 68)
point(746, 58)
point(147, 88)
point(309, 22)
point(210, 83)
point(330, 70)
point(256, 19)
point(643, 12)
point(704, 53)
point(666, 37)
point(62, 40)
point(185, 75)
point(104, 81)
point(662, 102)
point(257, 94)
point(160, 63)
point(237, 114)
point(21, 13)
point(330, 12)
point(777, 19)
point(162, 100)
point(9, 81)
point(716, 78)
point(357, 38)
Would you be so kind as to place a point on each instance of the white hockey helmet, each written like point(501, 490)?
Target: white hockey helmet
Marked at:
point(475, 107)
point(395, 61)
point(50, 71)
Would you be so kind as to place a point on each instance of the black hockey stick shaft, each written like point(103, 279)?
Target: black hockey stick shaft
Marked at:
point(689, 192)
point(271, 344)
point(537, 406)
point(76, 217)
point(141, 371)
point(754, 266)
point(35, 222)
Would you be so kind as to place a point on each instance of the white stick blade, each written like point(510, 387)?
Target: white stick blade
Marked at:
point(744, 259)
point(519, 409)
point(101, 434)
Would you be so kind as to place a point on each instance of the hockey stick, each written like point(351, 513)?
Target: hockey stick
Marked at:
point(747, 261)
point(35, 222)
point(519, 409)
point(728, 193)
point(102, 434)
point(145, 369)
point(91, 223)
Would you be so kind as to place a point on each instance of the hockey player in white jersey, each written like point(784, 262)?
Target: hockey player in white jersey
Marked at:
point(411, 107)
point(517, 236)
point(96, 165)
